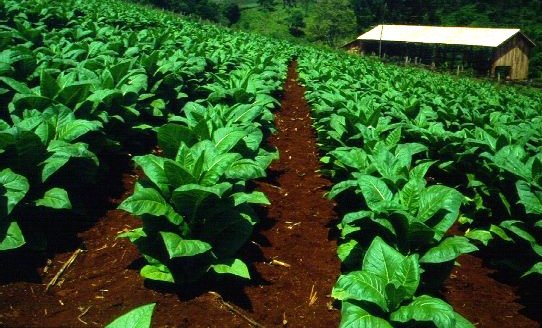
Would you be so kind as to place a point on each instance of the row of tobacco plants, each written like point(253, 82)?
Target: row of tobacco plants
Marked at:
point(81, 81)
point(411, 154)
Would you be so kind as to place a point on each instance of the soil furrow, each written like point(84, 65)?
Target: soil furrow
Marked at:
point(293, 259)
point(296, 230)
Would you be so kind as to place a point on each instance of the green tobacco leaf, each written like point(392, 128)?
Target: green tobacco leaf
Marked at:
point(21, 101)
point(153, 167)
point(407, 275)
point(374, 190)
point(179, 247)
point(133, 235)
point(245, 169)
point(16, 85)
point(244, 113)
point(149, 201)
point(353, 316)
point(434, 199)
point(217, 167)
point(410, 194)
point(426, 308)
point(139, 317)
point(255, 197)
point(532, 203)
point(509, 158)
point(448, 250)
point(158, 272)
point(56, 198)
point(361, 286)
point(340, 187)
point(235, 267)
point(77, 128)
point(537, 268)
point(228, 232)
point(48, 86)
point(461, 322)
point(190, 198)
point(419, 171)
point(483, 236)
point(176, 174)
point(74, 93)
point(438, 197)
point(344, 250)
point(171, 136)
point(499, 232)
point(382, 259)
point(227, 138)
point(13, 189)
point(353, 157)
point(514, 226)
point(62, 152)
point(11, 236)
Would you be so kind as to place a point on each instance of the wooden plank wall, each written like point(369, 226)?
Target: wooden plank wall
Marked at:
point(513, 53)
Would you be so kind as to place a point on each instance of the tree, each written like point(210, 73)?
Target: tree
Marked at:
point(306, 4)
point(267, 4)
point(334, 20)
point(289, 3)
point(296, 23)
point(232, 12)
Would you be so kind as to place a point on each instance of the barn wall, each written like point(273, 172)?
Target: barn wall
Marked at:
point(353, 47)
point(513, 53)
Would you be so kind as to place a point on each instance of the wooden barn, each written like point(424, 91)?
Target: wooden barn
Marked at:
point(487, 51)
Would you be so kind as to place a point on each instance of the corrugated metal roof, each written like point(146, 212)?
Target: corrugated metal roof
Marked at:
point(470, 36)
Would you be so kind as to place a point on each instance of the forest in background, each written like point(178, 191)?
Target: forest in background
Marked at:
point(335, 22)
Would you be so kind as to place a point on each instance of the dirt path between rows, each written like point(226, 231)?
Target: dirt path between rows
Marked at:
point(301, 218)
point(475, 293)
point(292, 257)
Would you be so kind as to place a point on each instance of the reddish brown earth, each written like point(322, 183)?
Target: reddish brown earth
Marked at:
point(293, 258)
point(474, 292)
point(292, 254)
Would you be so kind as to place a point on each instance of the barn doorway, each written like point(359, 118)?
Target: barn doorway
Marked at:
point(503, 72)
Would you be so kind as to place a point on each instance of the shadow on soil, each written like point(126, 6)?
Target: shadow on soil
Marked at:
point(49, 232)
point(528, 289)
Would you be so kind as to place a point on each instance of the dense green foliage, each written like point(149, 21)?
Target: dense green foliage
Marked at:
point(91, 87)
point(411, 152)
point(328, 22)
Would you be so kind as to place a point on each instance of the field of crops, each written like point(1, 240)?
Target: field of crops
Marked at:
point(422, 167)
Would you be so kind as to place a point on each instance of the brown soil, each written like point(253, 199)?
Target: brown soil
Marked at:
point(292, 258)
point(474, 292)
point(292, 254)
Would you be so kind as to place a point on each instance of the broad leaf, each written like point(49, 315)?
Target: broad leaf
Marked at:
point(537, 268)
point(56, 198)
point(139, 317)
point(13, 189)
point(361, 286)
point(448, 250)
point(157, 272)
point(532, 202)
point(234, 267)
point(374, 190)
point(352, 316)
point(227, 138)
point(11, 236)
point(426, 308)
point(179, 247)
point(382, 260)
point(149, 201)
